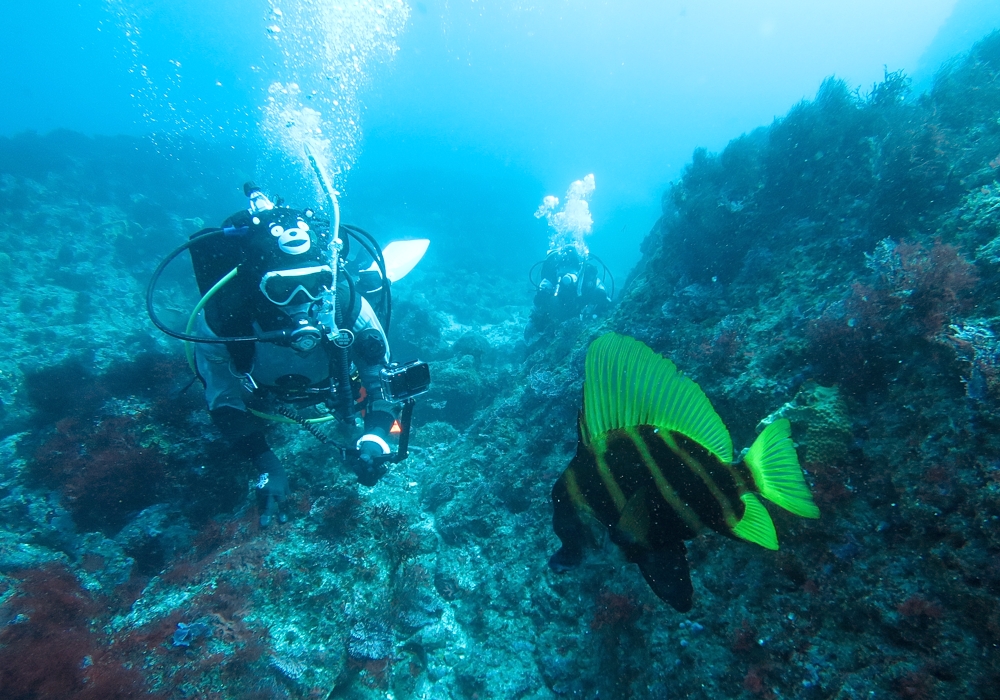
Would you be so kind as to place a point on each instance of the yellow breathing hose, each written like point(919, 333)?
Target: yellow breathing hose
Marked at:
point(189, 346)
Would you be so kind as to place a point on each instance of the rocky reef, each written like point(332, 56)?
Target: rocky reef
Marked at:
point(839, 268)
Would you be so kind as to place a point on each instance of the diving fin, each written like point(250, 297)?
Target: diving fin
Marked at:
point(401, 257)
point(666, 571)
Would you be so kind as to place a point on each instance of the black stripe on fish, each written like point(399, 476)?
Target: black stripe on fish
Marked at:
point(711, 487)
point(698, 488)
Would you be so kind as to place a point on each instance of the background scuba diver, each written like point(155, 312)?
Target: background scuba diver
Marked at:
point(295, 337)
point(571, 285)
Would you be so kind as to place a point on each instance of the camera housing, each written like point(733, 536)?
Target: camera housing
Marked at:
point(406, 381)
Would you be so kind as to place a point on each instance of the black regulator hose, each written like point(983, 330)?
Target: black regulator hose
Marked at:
point(531, 275)
point(373, 249)
point(370, 245)
point(368, 242)
point(353, 298)
point(607, 273)
point(151, 288)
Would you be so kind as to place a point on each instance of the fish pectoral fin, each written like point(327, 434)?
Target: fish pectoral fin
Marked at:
point(776, 472)
point(756, 525)
point(632, 528)
point(666, 571)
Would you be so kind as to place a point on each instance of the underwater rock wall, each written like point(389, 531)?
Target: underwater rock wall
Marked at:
point(838, 268)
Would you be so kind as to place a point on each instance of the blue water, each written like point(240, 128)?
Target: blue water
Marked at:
point(485, 107)
point(838, 268)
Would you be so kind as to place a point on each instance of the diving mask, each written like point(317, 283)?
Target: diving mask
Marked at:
point(280, 287)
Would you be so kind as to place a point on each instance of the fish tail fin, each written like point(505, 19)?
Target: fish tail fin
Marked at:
point(776, 472)
point(756, 525)
point(666, 571)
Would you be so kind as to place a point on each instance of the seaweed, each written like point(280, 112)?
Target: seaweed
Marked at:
point(49, 649)
point(104, 472)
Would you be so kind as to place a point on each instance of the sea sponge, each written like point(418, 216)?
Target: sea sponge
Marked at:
point(820, 421)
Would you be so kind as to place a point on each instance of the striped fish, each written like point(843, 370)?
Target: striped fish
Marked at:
point(655, 466)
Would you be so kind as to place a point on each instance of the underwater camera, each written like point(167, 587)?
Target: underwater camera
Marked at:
point(402, 382)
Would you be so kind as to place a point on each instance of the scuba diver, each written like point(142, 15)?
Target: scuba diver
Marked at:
point(570, 285)
point(291, 328)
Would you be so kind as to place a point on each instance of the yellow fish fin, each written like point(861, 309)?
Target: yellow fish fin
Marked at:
point(756, 525)
point(776, 471)
point(627, 384)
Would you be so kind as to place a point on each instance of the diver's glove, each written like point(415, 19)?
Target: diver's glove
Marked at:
point(371, 463)
point(272, 487)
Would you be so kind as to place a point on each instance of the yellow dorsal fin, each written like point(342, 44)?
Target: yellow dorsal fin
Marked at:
point(776, 471)
point(627, 385)
point(756, 525)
